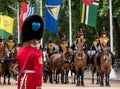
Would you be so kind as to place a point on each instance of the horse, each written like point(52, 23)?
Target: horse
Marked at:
point(105, 66)
point(2, 54)
point(93, 55)
point(60, 63)
point(45, 66)
point(80, 62)
point(9, 63)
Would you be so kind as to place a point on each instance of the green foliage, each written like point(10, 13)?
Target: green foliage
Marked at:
point(63, 27)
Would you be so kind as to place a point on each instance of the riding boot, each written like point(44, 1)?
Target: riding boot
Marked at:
point(88, 58)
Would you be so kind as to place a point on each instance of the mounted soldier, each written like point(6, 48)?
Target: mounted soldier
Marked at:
point(104, 41)
point(96, 47)
point(63, 45)
point(10, 43)
point(50, 48)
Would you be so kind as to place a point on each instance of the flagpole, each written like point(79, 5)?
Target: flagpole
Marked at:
point(111, 26)
point(41, 16)
point(18, 23)
point(70, 24)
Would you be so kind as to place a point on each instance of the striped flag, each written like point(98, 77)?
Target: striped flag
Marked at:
point(88, 12)
point(25, 11)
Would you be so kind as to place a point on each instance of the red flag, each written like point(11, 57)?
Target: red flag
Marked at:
point(25, 11)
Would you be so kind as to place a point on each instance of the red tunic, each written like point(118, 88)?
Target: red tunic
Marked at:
point(30, 58)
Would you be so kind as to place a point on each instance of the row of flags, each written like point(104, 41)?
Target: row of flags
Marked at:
point(88, 15)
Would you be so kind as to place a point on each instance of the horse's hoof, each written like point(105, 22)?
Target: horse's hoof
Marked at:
point(56, 82)
point(97, 83)
point(77, 84)
point(9, 83)
point(83, 85)
point(4, 83)
point(108, 85)
point(101, 85)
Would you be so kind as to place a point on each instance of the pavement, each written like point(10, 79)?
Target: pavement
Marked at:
point(113, 75)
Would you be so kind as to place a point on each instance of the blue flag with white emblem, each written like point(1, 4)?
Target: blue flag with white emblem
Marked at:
point(52, 15)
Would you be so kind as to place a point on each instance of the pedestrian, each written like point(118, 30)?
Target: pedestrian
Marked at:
point(29, 57)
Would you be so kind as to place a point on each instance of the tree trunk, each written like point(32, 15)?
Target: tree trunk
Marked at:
point(117, 37)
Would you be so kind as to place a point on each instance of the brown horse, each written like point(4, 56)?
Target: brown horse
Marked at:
point(60, 63)
point(105, 66)
point(9, 63)
point(95, 66)
point(80, 62)
point(2, 54)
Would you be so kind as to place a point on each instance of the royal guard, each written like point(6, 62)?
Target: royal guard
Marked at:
point(63, 45)
point(38, 46)
point(104, 41)
point(50, 48)
point(1, 43)
point(10, 43)
point(29, 57)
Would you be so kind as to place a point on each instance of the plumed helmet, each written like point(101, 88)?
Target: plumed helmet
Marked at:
point(81, 34)
point(63, 38)
point(103, 31)
point(10, 37)
point(33, 28)
point(96, 36)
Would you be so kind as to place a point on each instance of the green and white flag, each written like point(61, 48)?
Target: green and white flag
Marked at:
point(88, 12)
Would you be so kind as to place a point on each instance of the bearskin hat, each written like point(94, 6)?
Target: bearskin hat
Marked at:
point(33, 28)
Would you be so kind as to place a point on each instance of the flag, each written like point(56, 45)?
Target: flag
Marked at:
point(6, 26)
point(25, 11)
point(52, 15)
point(88, 12)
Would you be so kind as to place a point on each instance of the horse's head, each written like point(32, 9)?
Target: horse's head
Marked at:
point(79, 49)
point(106, 50)
point(69, 52)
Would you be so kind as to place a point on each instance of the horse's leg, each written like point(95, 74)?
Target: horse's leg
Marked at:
point(0, 78)
point(66, 77)
point(62, 77)
point(4, 78)
point(9, 79)
point(78, 79)
point(50, 79)
point(57, 74)
point(92, 75)
point(98, 78)
point(82, 78)
point(102, 80)
point(107, 80)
